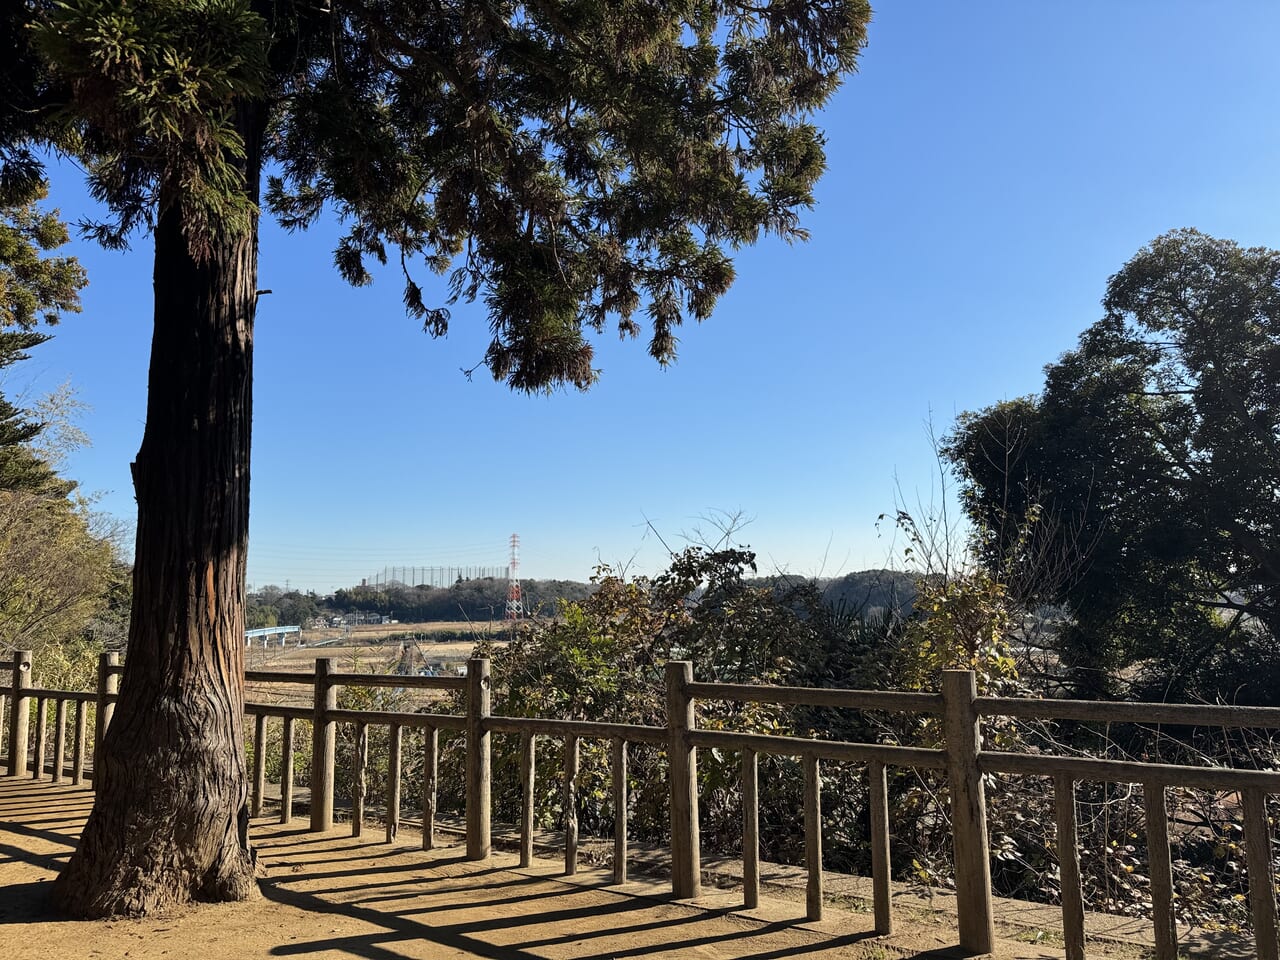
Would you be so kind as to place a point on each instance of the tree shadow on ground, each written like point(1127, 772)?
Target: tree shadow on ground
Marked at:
point(28, 902)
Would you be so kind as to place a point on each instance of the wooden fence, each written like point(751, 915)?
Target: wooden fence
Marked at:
point(961, 759)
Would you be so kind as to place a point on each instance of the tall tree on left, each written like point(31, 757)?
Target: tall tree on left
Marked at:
point(567, 161)
point(160, 108)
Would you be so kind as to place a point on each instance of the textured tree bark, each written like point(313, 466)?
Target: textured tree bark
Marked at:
point(170, 819)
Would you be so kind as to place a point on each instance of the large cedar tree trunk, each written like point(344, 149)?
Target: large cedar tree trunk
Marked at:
point(170, 820)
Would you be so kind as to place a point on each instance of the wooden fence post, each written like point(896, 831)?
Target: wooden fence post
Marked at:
point(1160, 868)
point(430, 784)
point(1064, 803)
point(77, 750)
point(1262, 888)
point(42, 737)
point(59, 739)
point(813, 835)
point(968, 812)
point(880, 863)
point(750, 830)
point(571, 769)
point(286, 771)
point(686, 864)
point(618, 781)
point(479, 843)
point(259, 762)
point(360, 779)
point(108, 687)
point(395, 741)
point(20, 723)
point(528, 770)
point(323, 747)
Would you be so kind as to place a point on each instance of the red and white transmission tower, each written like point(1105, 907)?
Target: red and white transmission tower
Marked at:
point(515, 606)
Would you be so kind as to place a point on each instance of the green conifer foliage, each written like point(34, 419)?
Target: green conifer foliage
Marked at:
point(35, 288)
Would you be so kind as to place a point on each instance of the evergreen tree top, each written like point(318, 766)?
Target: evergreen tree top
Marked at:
point(567, 163)
point(35, 288)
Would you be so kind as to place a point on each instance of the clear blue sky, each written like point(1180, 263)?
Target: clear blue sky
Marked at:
point(990, 166)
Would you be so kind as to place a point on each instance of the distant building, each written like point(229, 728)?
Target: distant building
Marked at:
point(359, 618)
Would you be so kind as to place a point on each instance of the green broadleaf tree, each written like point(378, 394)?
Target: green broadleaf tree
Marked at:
point(56, 571)
point(1156, 444)
point(568, 164)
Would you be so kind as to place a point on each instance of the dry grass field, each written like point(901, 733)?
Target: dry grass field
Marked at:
point(370, 633)
point(373, 647)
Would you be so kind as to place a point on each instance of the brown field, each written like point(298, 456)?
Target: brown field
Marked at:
point(371, 633)
point(367, 647)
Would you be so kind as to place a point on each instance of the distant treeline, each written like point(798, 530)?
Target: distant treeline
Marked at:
point(478, 599)
point(868, 592)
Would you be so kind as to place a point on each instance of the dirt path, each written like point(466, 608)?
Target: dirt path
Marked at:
point(330, 896)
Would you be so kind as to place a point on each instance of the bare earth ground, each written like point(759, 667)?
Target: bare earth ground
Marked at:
point(331, 896)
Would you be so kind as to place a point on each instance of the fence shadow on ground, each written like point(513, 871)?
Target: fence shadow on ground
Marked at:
point(620, 922)
point(492, 911)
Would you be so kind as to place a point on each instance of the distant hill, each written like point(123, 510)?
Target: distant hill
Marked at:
point(865, 592)
point(872, 591)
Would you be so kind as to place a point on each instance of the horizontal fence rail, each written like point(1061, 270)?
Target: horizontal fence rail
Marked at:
point(390, 718)
point(892, 701)
point(629, 732)
point(835, 750)
point(1147, 714)
point(75, 696)
point(961, 758)
point(271, 676)
point(282, 710)
point(395, 680)
point(1129, 771)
